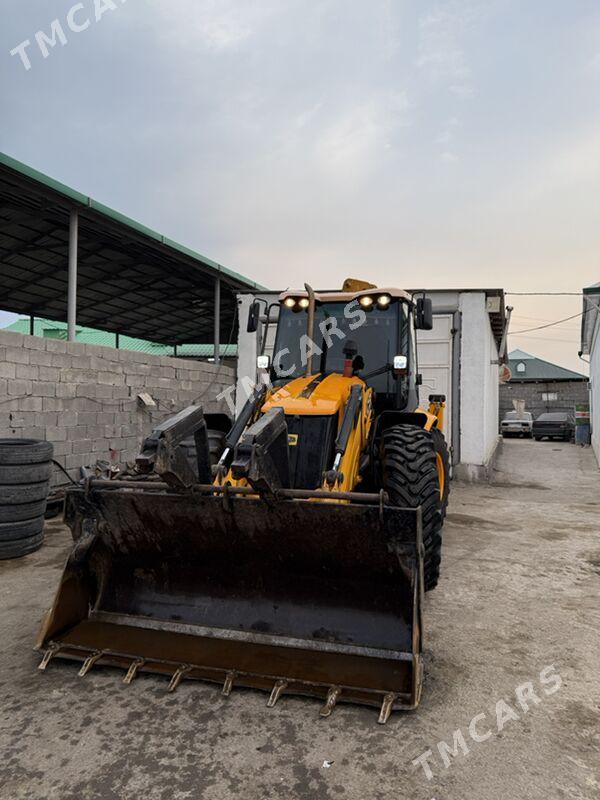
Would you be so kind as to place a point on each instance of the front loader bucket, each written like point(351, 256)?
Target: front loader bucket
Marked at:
point(289, 596)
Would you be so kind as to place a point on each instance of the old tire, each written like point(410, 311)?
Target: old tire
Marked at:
point(17, 548)
point(13, 531)
point(15, 494)
point(21, 511)
point(25, 473)
point(410, 477)
point(24, 451)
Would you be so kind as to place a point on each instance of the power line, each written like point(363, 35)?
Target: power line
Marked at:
point(545, 339)
point(549, 324)
point(545, 294)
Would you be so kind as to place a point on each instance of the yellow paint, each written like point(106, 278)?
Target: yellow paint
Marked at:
point(292, 439)
point(328, 397)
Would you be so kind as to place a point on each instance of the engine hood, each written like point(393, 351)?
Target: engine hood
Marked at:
point(313, 395)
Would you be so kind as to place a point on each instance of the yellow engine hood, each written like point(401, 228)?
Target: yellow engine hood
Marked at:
point(316, 394)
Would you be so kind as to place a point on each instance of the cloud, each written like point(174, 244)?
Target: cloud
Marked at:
point(441, 55)
point(217, 25)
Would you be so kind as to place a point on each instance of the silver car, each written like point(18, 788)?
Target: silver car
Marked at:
point(517, 424)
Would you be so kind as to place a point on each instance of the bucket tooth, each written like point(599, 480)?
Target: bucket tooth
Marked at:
point(48, 656)
point(177, 677)
point(133, 670)
point(332, 698)
point(386, 708)
point(228, 684)
point(89, 663)
point(278, 688)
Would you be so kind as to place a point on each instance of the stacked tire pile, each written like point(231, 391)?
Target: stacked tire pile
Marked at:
point(25, 468)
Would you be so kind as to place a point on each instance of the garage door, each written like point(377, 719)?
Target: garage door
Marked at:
point(435, 364)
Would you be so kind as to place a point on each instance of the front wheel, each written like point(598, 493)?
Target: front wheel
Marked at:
point(415, 473)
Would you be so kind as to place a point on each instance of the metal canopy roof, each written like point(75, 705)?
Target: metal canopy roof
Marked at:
point(131, 280)
point(538, 370)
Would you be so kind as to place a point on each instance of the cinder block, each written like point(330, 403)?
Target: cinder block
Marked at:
point(27, 371)
point(40, 357)
point(88, 390)
point(62, 449)
point(67, 390)
point(56, 345)
point(94, 432)
point(77, 460)
point(87, 418)
point(17, 355)
point(61, 360)
point(44, 389)
point(82, 446)
point(49, 374)
point(68, 418)
point(104, 391)
point(110, 378)
point(52, 403)
point(34, 342)
point(19, 388)
point(30, 403)
point(78, 349)
point(123, 393)
point(11, 338)
point(105, 418)
point(43, 419)
point(7, 370)
point(56, 434)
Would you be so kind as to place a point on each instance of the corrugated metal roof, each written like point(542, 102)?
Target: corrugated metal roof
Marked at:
point(536, 369)
point(50, 329)
point(129, 276)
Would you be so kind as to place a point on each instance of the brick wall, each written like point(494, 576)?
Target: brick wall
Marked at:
point(569, 393)
point(83, 398)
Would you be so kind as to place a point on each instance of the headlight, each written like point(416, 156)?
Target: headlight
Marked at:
point(304, 302)
point(289, 302)
point(366, 301)
point(384, 300)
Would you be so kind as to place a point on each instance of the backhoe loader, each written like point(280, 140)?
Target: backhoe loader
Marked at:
point(293, 556)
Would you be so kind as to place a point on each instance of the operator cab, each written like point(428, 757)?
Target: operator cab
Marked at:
point(368, 334)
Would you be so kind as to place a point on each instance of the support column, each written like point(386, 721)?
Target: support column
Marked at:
point(32, 325)
point(72, 290)
point(217, 338)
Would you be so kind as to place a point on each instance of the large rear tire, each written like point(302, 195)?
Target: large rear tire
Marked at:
point(410, 463)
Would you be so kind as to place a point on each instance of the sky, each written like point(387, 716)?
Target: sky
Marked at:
point(437, 144)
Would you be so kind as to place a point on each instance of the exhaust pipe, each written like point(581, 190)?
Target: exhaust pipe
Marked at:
point(310, 325)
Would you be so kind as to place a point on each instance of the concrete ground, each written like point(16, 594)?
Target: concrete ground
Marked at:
point(519, 593)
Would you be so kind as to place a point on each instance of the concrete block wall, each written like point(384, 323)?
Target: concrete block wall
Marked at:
point(568, 394)
point(83, 398)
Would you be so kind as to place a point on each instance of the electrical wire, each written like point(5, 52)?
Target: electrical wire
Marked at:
point(548, 325)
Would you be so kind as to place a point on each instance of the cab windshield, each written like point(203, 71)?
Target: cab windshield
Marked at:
point(379, 334)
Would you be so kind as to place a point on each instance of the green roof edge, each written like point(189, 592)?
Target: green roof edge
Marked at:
point(117, 216)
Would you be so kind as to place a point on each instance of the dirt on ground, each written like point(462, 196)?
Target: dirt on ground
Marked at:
point(516, 618)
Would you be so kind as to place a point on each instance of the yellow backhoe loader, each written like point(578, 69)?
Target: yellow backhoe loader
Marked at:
point(291, 553)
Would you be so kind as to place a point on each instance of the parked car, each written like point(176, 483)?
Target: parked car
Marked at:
point(554, 425)
point(517, 424)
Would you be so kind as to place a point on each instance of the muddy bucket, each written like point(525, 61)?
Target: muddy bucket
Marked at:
point(292, 596)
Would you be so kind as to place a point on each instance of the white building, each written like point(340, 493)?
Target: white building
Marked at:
point(458, 358)
point(590, 345)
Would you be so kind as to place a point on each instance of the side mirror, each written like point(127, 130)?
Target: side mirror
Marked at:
point(424, 314)
point(253, 317)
